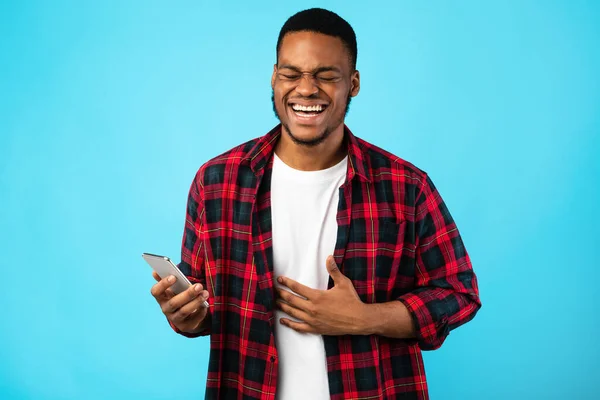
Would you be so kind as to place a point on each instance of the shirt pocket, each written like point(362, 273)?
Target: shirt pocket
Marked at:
point(392, 258)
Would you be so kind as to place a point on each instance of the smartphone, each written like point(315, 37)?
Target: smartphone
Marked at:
point(165, 267)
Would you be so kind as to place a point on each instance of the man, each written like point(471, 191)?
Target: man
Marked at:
point(328, 263)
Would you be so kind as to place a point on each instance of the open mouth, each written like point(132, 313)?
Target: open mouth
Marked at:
point(308, 111)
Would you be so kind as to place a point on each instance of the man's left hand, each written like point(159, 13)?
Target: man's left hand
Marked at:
point(337, 311)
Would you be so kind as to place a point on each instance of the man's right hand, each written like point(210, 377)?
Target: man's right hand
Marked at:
point(184, 310)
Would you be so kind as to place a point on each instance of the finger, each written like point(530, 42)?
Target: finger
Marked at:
point(158, 290)
point(155, 276)
point(169, 293)
point(178, 301)
point(293, 299)
point(193, 309)
point(296, 287)
point(293, 312)
point(297, 326)
point(334, 271)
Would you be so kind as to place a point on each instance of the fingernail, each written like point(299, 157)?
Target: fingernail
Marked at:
point(198, 288)
point(171, 279)
point(280, 280)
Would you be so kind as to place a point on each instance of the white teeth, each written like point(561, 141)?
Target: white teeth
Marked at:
point(298, 107)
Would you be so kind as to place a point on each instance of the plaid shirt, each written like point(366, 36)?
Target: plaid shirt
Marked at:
point(396, 240)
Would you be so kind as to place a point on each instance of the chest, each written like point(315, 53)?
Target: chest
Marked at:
point(363, 225)
point(304, 230)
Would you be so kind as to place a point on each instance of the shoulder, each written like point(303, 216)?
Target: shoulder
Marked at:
point(397, 184)
point(213, 170)
point(385, 166)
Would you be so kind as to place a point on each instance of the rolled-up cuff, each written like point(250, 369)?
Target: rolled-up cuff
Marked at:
point(430, 321)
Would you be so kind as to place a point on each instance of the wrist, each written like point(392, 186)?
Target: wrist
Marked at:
point(391, 319)
point(202, 326)
point(365, 323)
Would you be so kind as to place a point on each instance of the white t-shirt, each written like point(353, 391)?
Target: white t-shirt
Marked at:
point(303, 210)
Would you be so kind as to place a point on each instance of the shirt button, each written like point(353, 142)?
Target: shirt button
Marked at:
point(273, 358)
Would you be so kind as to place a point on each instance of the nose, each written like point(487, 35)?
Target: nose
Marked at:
point(306, 86)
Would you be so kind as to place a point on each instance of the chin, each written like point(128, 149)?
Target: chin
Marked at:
point(307, 136)
point(304, 133)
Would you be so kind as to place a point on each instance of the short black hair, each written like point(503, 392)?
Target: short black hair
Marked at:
point(322, 21)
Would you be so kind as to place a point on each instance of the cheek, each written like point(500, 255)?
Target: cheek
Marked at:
point(279, 94)
point(340, 95)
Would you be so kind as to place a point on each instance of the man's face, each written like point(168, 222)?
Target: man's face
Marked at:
point(312, 83)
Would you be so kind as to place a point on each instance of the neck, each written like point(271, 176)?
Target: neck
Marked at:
point(311, 158)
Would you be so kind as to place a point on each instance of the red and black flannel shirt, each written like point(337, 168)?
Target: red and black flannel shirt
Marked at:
point(396, 240)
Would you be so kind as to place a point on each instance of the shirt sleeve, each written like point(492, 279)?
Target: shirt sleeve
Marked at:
point(446, 293)
point(192, 246)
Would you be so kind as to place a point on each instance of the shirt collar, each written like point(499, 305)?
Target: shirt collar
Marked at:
point(262, 153)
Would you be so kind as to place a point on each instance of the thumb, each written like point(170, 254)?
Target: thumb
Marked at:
point(333, 270)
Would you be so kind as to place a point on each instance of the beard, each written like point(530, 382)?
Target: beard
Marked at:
point(308, 142)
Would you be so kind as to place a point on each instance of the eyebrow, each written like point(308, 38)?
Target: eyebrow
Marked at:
point(315, 71)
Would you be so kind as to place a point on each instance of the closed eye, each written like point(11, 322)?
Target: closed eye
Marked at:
point(328, 79)
point(292, 77)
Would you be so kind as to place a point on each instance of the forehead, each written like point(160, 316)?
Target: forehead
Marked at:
point(309, 50)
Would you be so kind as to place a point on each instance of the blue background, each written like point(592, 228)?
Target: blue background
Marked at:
point(107, 109)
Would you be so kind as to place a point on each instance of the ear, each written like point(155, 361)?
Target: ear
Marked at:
point(273, 76)
point(355, 83)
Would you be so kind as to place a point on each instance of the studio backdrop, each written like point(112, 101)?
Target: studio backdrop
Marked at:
point(108, 108)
